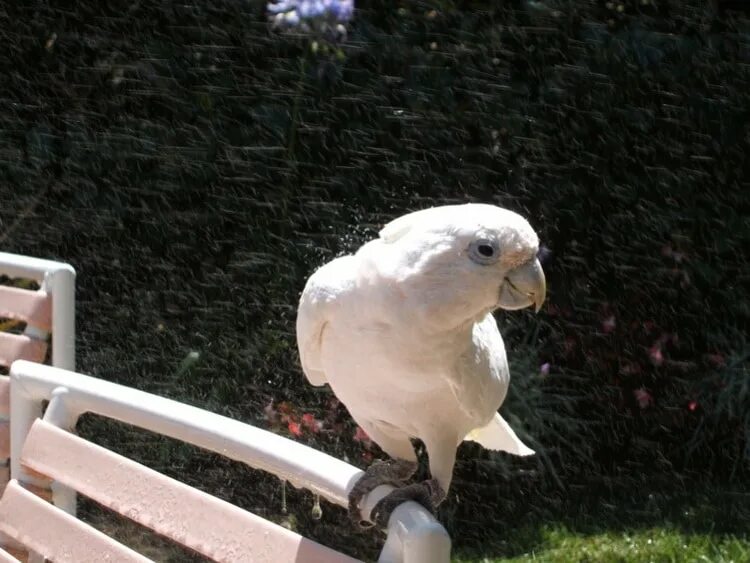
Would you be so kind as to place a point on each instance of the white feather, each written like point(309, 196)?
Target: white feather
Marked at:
point(498, 435)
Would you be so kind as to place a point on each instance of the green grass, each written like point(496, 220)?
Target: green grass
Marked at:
point(657, 545)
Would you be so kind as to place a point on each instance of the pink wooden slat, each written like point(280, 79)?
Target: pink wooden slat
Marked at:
point(32, 307)
point(4, 396)
point(19, 347)
point(204, 523)
point(56, 534)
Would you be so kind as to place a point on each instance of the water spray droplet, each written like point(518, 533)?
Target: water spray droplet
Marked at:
point(317, 511)
point(283, 497)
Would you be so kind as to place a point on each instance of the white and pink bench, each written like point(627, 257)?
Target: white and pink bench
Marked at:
point(46, 318)
point(49, 464)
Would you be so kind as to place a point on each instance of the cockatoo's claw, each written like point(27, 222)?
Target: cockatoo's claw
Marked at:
point(390, 472)
point(427, 493)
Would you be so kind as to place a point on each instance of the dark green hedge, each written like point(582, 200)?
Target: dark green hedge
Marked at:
point(196, 167)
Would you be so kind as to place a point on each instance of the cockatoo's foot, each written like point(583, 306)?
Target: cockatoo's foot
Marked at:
point(390, 472)
point(427, 493)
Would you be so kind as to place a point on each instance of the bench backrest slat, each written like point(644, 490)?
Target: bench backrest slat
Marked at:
point(206, 524)
point(55, 534)
point(32, 307)
point(20, 347)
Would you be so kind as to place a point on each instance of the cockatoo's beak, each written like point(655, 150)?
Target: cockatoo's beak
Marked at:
point(524, 286)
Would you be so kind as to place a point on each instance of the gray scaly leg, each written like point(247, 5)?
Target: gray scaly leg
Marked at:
point(389, 472)
point(427, 493)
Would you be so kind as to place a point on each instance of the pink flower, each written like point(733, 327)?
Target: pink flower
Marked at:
point(360, 435)
point(544, 369)
point(643, 398)
point(309, 422)
point(655, 354)
point(630, 368)
point(294, 428)
point(716, 360)
point(693, 406)
point(609, 324)
point(285, 411)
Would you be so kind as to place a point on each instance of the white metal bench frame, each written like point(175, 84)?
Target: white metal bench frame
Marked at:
point(58, 280)
point(56, 295)
point(414, 536)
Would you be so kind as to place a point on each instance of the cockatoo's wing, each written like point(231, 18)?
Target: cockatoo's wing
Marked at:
point(485, 365)
point(481, 372)
point(498, 435)
point(317, 304)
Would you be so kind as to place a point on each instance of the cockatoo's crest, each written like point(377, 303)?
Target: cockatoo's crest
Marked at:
point(399, 227)
point(464, 222)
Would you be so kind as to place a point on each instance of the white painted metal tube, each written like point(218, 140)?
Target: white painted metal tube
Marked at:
point(18, 266)
point(61, 284)
point(58, 279)
point(411, 527)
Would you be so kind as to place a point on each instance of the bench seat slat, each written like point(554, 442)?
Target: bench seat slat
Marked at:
point(55, 534)
point(32, 307)
point(206, 524)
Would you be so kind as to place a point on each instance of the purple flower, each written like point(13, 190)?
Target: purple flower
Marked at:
point(543, 254)
point(322, 16)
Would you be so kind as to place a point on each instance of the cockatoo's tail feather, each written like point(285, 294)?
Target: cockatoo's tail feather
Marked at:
point(498, 435)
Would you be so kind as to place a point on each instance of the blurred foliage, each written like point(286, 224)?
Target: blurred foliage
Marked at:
point(195, 168)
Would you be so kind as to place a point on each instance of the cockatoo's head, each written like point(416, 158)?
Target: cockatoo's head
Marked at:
point(463, 261)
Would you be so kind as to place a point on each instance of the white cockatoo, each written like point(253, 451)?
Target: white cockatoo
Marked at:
point(403, 333)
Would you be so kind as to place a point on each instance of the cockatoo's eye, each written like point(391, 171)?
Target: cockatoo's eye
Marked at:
point(484, 251)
